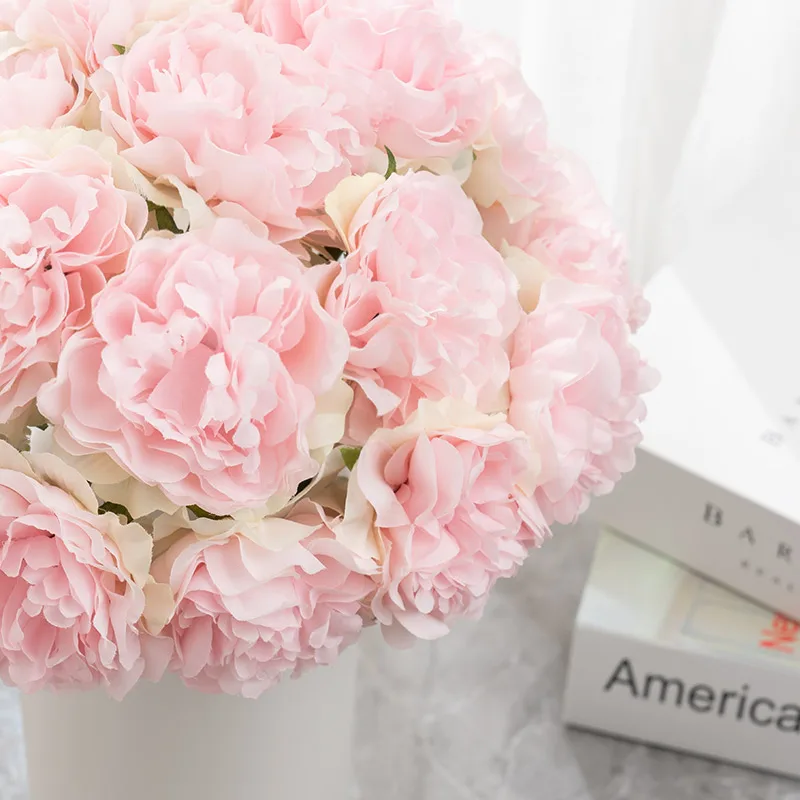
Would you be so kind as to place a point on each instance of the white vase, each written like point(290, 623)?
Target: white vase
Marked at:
point(165, 742)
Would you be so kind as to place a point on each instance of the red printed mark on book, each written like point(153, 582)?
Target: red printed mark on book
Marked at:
point(782, 636)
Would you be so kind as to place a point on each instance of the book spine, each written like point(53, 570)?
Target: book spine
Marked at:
point(709, 529)
point(688, 701)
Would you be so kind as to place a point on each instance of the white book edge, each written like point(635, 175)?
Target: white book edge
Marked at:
point(709, 529)
point(595, 659)
point(662, 656)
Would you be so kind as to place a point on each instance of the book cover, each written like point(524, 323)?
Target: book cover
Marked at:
point(717, 480)
point(661, 655)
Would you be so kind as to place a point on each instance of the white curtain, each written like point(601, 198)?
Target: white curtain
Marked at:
point(684, 109)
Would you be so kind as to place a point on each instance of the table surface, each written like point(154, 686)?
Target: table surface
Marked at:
point(476, 716)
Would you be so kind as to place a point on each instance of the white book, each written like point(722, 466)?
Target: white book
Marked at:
point(717, 481)
point(660, 655)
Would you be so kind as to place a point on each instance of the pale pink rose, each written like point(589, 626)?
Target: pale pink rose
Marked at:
point(202, 371)
point(428, 303)
point(249, 614)
point(576, 386)
point(452, 501)
point(229, 113)
point(66, 229)
point(407, 68)
point(72, 582)
point(39, 88)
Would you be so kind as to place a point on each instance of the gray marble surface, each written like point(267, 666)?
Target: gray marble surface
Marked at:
point(476, 716)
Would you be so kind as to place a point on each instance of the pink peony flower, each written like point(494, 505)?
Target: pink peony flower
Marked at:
point(428, 303)
point(450, 497)
point(72, 582)
point(39, 88)
point(514, 164)
point(203, 370)
point(407, 68)
point(89, 30)
point(250, 612)
point(66, 228)
point(576, 386)
point(571, 232)
point(543, 200)
point(282, 20)
point(229, 113)
point(84, 29)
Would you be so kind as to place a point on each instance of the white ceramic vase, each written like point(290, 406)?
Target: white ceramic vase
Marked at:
point(165, 742)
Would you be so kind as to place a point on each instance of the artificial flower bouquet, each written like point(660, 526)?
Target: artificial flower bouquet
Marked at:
point(305, 326)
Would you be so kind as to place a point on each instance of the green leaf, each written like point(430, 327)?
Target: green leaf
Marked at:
point(392, 164)
point(164, 219)
point(116, 508)
point(201, 513)
point(120, 48)
point(350, 456)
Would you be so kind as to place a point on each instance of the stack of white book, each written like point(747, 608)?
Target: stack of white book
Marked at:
point(662, 652)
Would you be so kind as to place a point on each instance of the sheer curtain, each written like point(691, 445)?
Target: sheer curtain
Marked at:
point(686, 110)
